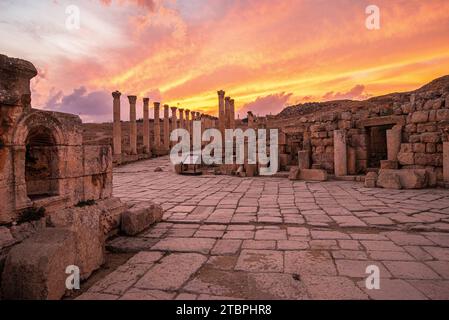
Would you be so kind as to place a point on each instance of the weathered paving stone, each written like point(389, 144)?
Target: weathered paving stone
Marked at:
point(393, 289)
point(260, 261)
point(259, 244)
point(438, 253)
point(292, 245)
point(278, 286)
point(358, 268)
point(309, 262)
point(313, 240)
point(223, 247)
point(410, 270)
point(120, 280)
point(332, 288)
point(433, 289)
point(200, 245)
point(326, 235)
point(130, 244)
point(172, 271)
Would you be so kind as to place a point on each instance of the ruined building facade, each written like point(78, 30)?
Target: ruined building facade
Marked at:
point(43, 161)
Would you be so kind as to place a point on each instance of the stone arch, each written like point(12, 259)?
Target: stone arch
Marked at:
point(36, 141)
point(38, 119)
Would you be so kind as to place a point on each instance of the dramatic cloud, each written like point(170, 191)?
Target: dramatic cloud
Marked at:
point(356, 93)
point(93, 106)
point(183, 51)
point(271, 104)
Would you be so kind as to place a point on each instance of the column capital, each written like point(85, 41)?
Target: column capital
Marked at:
point(227, 98)
point(146, 101)
point(166, 106)
point(221, 93)
point(231, 101)
point(187, 111)
point(132, 99)
point(156, 104)
point(116, 94)
point(181, 110)
point(173, 109)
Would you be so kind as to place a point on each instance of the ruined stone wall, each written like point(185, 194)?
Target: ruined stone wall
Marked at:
point(421, 115)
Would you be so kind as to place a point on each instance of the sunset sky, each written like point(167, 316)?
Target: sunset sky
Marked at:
point(266, 54)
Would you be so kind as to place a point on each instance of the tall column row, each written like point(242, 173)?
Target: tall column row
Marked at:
point(161, 143)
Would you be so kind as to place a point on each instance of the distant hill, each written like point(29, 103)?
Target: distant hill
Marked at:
point(441, 83)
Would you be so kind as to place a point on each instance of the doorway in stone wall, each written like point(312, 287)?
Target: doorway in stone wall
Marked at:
point(377, 145)
point(41, 164)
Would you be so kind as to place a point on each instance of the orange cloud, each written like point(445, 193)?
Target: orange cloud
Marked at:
point(315, 50)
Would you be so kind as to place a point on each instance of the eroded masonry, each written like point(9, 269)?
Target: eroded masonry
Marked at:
point(57, 208)
point(56, 204)
point(394, 141)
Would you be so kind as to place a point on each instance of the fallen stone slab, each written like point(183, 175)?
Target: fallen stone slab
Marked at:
point(139, 217)
point(389, 180)
point(313, 174)
point(85, 222)
point(35, 268)
point(408, 178)
point(371, 180)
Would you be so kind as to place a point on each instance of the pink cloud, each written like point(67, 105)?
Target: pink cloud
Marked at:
point(356, 93)
point(271, 104)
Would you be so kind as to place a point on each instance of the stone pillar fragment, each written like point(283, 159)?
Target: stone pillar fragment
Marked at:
point(166, 127)
point(157, 126)
point(394, 139)
point(117, 126)
point(340, 153)
point(187, 120)
point(232, 115)
point(250, 120)
point(146, 126)
point(181, 119)
point(174, 122)
point(132, 124)
point(221, 111)
point(227, 112)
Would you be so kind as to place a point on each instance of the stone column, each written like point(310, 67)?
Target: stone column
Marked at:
point(181, 119)
point(157, 126)
point(221, 111)
point(146, 126)
point(174, 122)
point(340, 153)
point(232, 115)
point(203, 124)
point(187, 120)
point(250, 120)
point(166, 127)
point(394, 139)
point(446, 162)
point(227, 112)
point(117, 126)
point(132, 124)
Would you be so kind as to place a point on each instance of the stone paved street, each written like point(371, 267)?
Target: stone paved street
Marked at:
point(271, 238)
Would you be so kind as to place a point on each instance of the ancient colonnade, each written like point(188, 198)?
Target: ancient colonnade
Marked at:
point(180, 118)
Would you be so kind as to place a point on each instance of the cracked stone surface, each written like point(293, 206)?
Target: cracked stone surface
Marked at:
point(225, 237)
